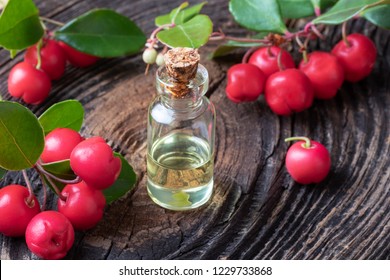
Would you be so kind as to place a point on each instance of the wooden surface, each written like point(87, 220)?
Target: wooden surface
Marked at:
point(257, 211)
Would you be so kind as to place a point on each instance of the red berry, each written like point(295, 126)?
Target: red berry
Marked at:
point(50, 235)
point(358, 59)
point(267, 60)
point(59, 144)
point(77, 58)
point(95, 163)
point(83, 205)
point(325, 73)
point(308, 163)
point(15, 211)
point(53, 58)
point(245, 82)
point(288, 91)
point(29, 83)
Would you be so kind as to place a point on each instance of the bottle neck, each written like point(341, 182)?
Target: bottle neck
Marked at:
point(193, 91)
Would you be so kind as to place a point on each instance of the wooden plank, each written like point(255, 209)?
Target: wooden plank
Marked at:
point(257, 211)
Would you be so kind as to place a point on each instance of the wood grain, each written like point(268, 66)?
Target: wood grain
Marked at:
point(257, 211)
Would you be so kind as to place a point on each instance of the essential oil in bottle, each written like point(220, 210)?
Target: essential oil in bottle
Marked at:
point(181, 134)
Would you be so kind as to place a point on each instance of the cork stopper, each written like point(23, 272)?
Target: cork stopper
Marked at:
point(181, 65)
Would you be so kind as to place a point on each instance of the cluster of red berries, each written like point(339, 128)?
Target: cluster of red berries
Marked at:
point(31, 79)
point(50, 234)
point(291, 89)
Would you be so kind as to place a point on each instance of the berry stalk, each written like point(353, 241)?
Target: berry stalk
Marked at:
point(307, 143)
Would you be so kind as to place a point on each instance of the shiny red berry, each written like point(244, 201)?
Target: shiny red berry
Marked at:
point(50, 235)
point(245, 82)
point(77, 58)
point(83, 205)
point(93, 160)
point(28, 83)
point(267, 60)
point(15, 210)
point(288, 91)
point(325, 73)
point(59, 144)
point(357, 58)
point(53, 58)
point(307, 161)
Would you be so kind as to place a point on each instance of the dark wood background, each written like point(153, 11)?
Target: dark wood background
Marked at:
point(257, 211)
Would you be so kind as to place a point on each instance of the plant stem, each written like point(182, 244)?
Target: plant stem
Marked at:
point(162, 27)
point(247, 54)
point(279, 60)
point(221, 36)
point(43, 205)
point(317, 11)
point(39, 58)
point(307, 143)
point(48, 174)
point(55, 188)
point(344, 34)
point(52, 21)
point(30, 198)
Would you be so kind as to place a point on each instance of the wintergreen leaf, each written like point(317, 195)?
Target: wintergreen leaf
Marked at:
point(123, 184)
point(103, 33)
point(181, 17)
point(13, 53)
point(20, 26)
point(2, 173)
point(344, 10)
point(192, 34)
point(21, 137)
point(379, 15)
point(296, 8)
point(323, 4)
point(230, 46)
point(60, 169)
point(65, 114)
point(260, 15)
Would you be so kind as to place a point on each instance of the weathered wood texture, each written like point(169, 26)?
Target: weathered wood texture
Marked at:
point(257, 211)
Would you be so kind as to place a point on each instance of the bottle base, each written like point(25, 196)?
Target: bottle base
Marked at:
point(180, 199)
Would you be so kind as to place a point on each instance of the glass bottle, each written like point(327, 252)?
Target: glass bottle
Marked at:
point(181, 136)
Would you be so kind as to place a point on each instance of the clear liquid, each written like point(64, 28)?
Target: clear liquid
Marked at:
point(180, 171)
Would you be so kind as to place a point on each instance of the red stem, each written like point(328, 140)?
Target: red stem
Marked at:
point(279, 58)
point(248, 54)
point(48, 174)
point(56, 190)
point(30, 198)
point(43, 205)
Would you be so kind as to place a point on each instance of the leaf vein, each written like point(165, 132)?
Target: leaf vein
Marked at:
point(16, 143)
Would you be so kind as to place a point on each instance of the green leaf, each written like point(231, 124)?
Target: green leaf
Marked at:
point(379, 15)
point(20, 26)
point(60, 169)
point(103, 33)
point(13, 53)
point(323, 4)
point(123, 184)
point(65, 114)
point(260, 15)
point(230, 46)
point(21, 137)
point(181, 17)
point(344, 10)
point(296, 8)
point(2, 173)
point(192, 34)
